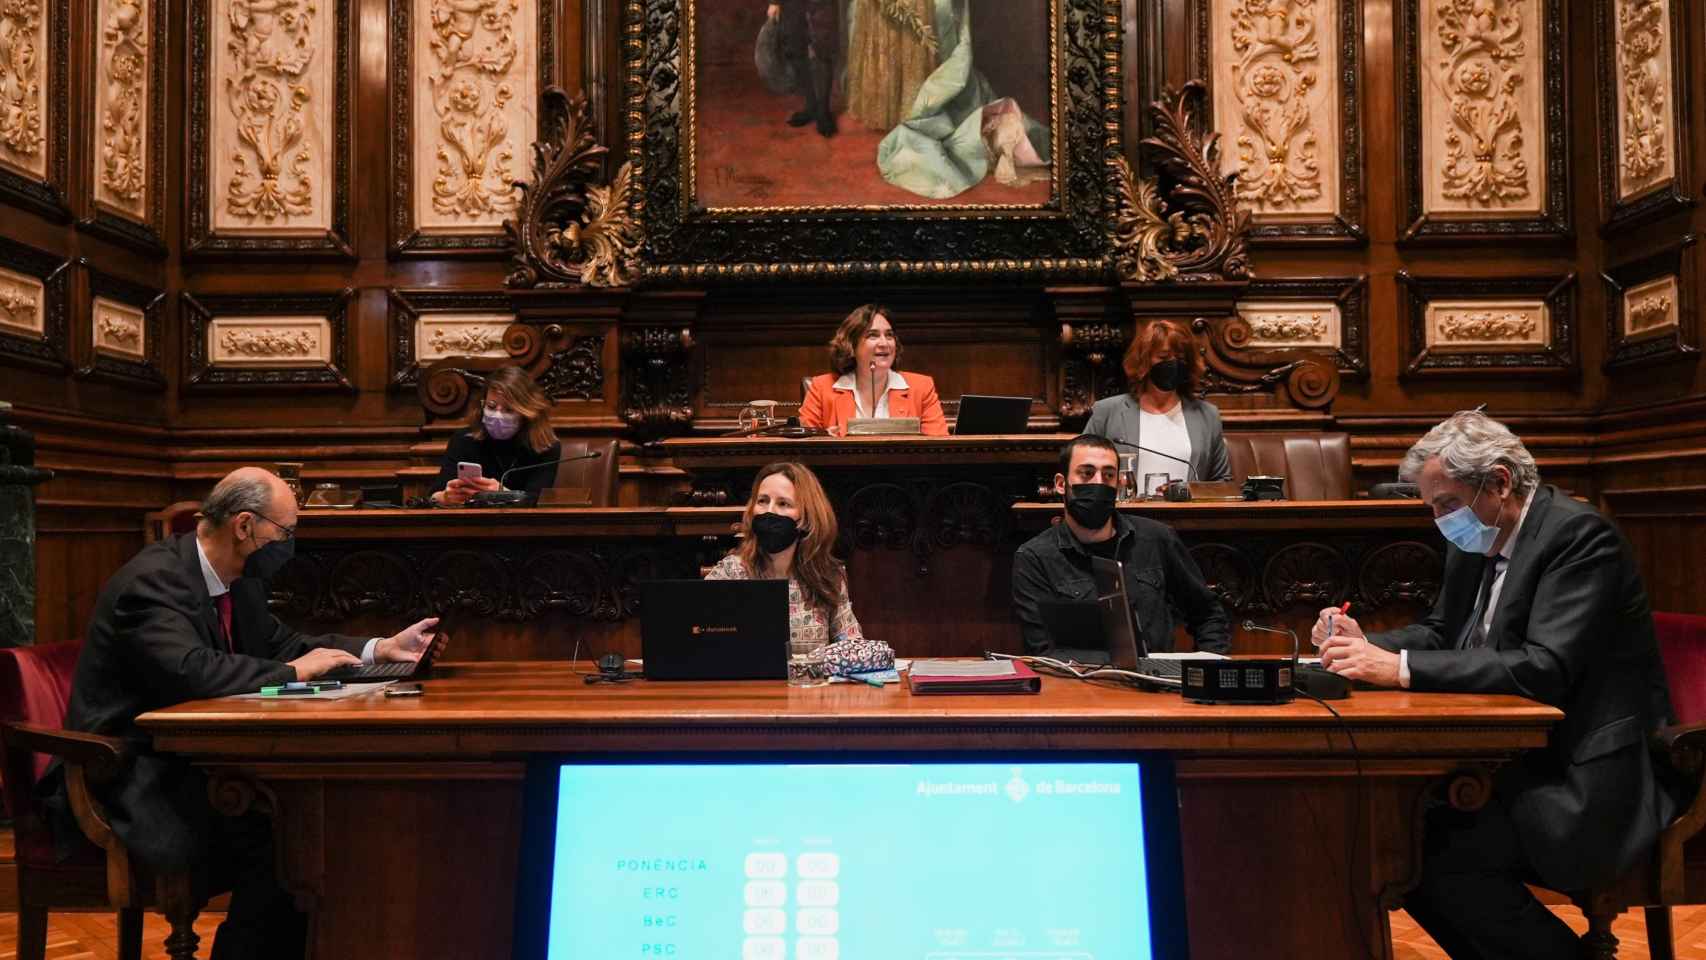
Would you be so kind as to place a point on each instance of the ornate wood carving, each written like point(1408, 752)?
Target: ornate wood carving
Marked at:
point(1375, 573)
point(657, 383)
point(1478, 326)
point(1298, 308)
point(568, 229)
point(1650, 309)
point(409, 307)
point(924, 516)
point(125, 123)
point(272, 84)
point(1287, 84)
point(498, 580)
point(109, 353)
point(1201, 236)
point(567, 361)
point(1643, 110)
point(1310, 380)
point(35, 290)
point(685, 243)
point(1091, 355)
point(463, 86)
point(1484, 135)
point(262, 356)
point(35, 90)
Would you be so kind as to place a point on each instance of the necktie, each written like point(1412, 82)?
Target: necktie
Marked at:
point(223, 602)
point(1476, 635)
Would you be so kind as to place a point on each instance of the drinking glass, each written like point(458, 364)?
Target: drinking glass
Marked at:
point(807, 665)
point(1128, 478)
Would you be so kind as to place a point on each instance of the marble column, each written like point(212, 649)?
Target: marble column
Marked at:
point(18, 477)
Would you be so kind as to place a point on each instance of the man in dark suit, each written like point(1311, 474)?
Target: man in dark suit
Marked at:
point(1540, 598)
point(187, 619)
point(811, 45)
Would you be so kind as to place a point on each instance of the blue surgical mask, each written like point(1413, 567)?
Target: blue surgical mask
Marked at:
point(1465, 530)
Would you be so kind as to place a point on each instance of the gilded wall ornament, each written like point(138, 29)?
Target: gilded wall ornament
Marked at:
point(122, 150)
point(1649, 312)
point(271, 45)
point(474, 77)
point(1482, 76)
point(462, 341)
point(1276, 86)
point(1645, 92)
point(1282, 327)
point(569, 229)
point(23, 66)
point(1202, 235)
point(119, 330)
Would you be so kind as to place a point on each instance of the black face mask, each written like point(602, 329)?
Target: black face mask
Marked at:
point(1168, 374)
point(1090, 504)
point(265, 563)
point(774, 532)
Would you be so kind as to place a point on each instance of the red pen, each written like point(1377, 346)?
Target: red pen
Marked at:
point(1344, 608)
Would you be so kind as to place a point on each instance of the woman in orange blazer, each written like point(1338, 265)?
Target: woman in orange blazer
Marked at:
point(862, 353)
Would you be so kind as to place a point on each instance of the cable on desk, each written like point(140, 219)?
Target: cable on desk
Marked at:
point(1084, 671)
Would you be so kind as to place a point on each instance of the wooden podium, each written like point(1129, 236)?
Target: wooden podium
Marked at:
point(400, 820)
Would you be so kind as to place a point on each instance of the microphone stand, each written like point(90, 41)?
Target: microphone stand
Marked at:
point(1251, 625)
point(519, 498)
point(1139, 446)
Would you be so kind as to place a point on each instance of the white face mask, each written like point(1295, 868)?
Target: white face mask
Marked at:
point(1465, 530)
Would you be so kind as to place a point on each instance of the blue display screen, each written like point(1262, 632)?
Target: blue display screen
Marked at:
point(936, 861)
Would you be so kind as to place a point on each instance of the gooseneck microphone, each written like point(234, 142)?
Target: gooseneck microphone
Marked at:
point(1251, 625)
point(873, 386)
point(516, 498)
point(1312, 681)
point(1139, 446)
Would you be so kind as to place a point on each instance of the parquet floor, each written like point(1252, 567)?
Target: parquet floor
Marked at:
point(74, 936)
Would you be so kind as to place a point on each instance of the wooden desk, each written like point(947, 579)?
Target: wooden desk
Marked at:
point(930, 566)
point(400, 819)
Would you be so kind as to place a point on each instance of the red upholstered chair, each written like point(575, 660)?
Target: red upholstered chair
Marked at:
point(175, 519)
point(35, 690)
point(1675, 872)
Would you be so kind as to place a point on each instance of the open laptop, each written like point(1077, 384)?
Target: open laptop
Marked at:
point(714, 629)
point(1069, 623)
point(986, 416)
point(396, 669)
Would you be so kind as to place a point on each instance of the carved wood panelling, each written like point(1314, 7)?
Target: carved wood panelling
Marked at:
point(34, 299)
point(466, 76)
point(122, 338)
point(34, 112)
point(1485, 137)
point(429, 325)
point(1287, 83)
point(269, 139)
point(1650, 311)
point(1500, 327)
point(125, 123)
point(1643, 110)
point(257, 341)
point(1314, 315)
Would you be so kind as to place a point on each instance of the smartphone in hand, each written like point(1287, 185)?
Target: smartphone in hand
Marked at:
point(468, 472)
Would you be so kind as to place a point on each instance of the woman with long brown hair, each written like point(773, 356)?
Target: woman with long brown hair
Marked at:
point(865, 383)
point(788, 532)
point(514, 432)
point(1163, 419)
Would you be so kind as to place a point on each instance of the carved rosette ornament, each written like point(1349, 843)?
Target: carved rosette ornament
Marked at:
point(1276, 87)
point(1482, 76)
point(568, 229)
point(1194, 231)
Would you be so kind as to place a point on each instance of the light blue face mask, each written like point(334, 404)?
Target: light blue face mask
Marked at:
point(1465, 530)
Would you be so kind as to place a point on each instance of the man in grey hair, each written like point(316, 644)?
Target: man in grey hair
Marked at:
point(187, 619)
point(1540, 598)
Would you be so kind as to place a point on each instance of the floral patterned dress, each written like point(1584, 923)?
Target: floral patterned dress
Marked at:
point(848, 650)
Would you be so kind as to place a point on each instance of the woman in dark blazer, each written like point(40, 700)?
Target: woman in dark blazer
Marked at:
point(514, 431)
point(1163, 412)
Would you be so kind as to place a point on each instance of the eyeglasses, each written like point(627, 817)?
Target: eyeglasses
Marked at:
point(289, 532)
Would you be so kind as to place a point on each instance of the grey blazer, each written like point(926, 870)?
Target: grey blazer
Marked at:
point(1119, 418)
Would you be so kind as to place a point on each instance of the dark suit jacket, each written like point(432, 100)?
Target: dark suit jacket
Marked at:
point(154, 641)
point(1572, 629)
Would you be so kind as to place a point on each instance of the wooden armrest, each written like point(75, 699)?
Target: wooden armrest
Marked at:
point(100, 757)
point(1684, 745)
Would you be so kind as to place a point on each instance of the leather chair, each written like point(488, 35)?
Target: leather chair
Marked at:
point(175, 519)
point(35, 691)
point(1674, 873)
point(599, 475)
point(1316, 466)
